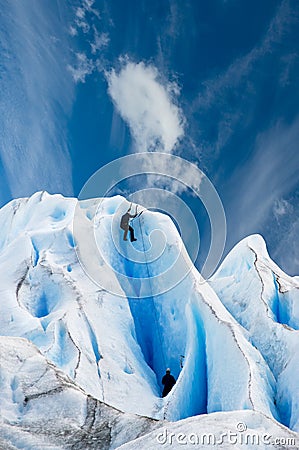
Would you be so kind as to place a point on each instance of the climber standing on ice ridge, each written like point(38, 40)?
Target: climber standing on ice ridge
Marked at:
point(168, 381)
point(124, 224)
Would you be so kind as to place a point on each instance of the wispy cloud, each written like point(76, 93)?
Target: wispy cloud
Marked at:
point(269, 176)
point(73, 31)
point(82, 12)
point(173, 20)
point(258, 195)
point(264, 186)
point(85, 26)
point(100, 41)
point(89, 6)
point(82, 68)
point(83, 17)
point(229, 90)
point(289, 63)
point(36, 99)
point(281, 208)
point(147, 105)
point(286, 249)
point(237, 72)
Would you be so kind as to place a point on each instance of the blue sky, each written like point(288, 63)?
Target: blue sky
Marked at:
point(86, 81)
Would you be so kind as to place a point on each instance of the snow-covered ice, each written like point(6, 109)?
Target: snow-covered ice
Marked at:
point(111, 316)
point(42, 408)
point(265, 301)
point(234, 430)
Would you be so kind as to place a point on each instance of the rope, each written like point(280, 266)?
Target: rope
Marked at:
point(152, 296)
point(166, 406)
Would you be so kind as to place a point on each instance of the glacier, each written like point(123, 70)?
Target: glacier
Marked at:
point(105, 323)
point(265, 302)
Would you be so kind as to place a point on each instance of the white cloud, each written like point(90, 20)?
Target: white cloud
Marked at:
point(80, 13)
point(148, 107)
point(282, 208)
point(100, 41)
point(83, 67)
point(168, 173)
point(83, 25)
point(73, 31)
point(88, 6)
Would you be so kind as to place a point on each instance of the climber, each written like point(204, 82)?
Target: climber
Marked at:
point(168, 381)
point(124, 224)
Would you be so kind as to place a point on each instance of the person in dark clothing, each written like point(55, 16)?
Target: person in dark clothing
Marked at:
point(168, 381)
point(124, 225)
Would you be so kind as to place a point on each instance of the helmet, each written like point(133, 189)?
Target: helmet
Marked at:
point(168, 370)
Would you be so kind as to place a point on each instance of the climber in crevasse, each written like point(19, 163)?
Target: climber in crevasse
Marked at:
point(168, 381)
point(124, 224)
